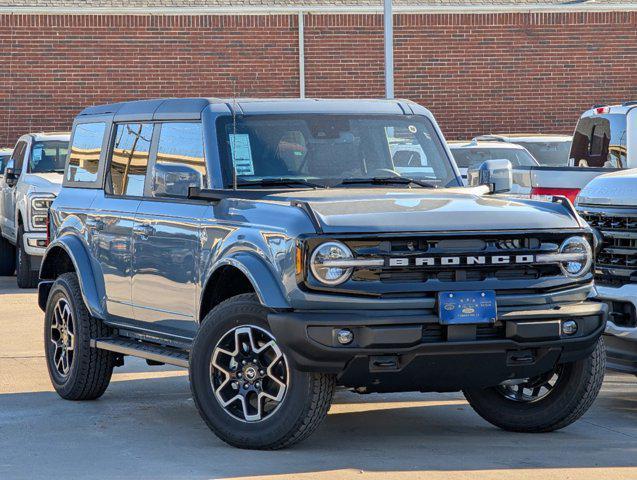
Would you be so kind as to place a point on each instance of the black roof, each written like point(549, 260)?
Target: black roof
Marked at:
point(191, 108)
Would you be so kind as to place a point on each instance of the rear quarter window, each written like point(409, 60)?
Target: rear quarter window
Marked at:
point(600, 141)
point(85, 152)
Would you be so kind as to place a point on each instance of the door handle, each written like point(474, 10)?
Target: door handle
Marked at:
point(144, 230)
point(96, 224)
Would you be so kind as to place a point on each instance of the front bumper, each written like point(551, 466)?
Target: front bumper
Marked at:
point(410, 350)
point(34, 243)
point(621, 329)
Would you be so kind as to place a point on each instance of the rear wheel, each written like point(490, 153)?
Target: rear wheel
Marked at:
point(244, 386)
point(544, 403)
point(7, 257)
point(77, 371)
point(27, 278)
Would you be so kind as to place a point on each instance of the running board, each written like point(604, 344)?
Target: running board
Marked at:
point(149, 351)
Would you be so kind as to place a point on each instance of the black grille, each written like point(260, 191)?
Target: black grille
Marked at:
point(461, 247)
point(616, 262)
point(434, 332)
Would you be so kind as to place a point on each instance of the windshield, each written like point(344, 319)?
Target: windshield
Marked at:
point(327, 149)
point(600, 141)
point(468, 157)
point(48, 156)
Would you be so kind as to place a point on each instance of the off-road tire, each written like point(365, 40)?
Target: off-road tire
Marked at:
point(572, 397)
point(27, 278)
point(7, 257)
point(307, 399)
point(91, 368)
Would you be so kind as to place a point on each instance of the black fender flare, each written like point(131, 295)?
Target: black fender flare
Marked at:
point(77, 252)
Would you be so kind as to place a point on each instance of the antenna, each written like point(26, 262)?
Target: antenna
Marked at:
point(234, 133)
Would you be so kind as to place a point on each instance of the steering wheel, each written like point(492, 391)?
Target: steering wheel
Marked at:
point(383, 172)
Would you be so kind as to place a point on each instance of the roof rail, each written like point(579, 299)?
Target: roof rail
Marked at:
point(598, 105)
point(629, 103)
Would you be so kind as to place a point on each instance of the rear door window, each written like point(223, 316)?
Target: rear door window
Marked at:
point(85, 153)
point(600, 141)
point(129, 159)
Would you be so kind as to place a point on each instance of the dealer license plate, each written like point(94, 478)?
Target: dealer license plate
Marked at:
point(461, 308)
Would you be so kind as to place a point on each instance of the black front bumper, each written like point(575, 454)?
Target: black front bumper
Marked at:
point(409, 350)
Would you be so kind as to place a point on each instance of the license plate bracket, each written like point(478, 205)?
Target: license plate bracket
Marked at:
point(467, 307)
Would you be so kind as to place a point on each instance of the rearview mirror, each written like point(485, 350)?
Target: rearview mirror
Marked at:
point(496, 174)
point(11, 176)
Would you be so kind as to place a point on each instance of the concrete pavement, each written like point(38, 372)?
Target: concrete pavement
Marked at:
point(146, 427)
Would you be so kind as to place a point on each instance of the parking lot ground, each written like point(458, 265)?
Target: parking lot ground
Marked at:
point(146, 427)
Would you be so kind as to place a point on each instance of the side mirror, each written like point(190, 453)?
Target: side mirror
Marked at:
point(496, 174)
point(11, 176)
point(174, 180)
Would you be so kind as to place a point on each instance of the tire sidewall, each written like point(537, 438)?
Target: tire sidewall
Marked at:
point(62, 289)
point(243, 434)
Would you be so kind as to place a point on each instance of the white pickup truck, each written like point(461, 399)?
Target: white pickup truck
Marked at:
point(31, 180)
point(609, 204)
point(605, 140)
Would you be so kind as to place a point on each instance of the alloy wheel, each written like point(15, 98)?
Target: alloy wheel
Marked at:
point(249, 373)
point(63, 337)
point(531, 389)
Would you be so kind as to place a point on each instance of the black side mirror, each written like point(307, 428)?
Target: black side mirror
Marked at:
point(11, 176)
point(496, 174)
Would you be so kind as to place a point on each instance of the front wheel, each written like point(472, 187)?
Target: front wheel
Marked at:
point(544, 403)
point(243, 385)
point(27, 278)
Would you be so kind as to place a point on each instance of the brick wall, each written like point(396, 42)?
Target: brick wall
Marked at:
point(478, 73)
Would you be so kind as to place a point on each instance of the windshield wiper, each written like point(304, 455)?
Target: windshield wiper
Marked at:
point(388, 181)
point(273, 182)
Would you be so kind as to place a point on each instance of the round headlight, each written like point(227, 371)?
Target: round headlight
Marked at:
point(331, 252)
point(580, 256)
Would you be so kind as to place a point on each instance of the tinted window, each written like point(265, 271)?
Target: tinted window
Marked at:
point(48, 156)
point(85, 153)
point(180, 160)
point(130, 158)
point(467, 157)
point(326, 149)
point(550, 154)
point(600, 141)
point(17, 158)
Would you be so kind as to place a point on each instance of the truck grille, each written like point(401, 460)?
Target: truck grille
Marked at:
point(616, 263)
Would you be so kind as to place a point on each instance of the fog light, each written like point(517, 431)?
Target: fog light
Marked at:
point(569, 327)
point(344, 336)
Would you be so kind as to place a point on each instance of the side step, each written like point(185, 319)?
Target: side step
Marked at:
point(149, 351)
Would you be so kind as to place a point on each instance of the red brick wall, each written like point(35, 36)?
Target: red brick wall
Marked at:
point(478, 73)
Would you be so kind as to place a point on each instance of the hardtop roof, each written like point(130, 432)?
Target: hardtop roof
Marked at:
point(191, 108)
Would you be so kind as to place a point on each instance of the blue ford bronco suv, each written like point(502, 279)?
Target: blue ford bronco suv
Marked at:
point(281, 248)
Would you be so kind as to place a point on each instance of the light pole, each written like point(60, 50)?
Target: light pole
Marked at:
point(389, 49)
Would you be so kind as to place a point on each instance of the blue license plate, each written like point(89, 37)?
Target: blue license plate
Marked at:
point(461, 308)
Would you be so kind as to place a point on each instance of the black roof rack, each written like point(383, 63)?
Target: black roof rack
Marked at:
point(629, 103)
point(598, 105)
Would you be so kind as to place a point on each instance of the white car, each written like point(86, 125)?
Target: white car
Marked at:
point(609, 204)
point(468, 154)
point(32, 178)
point(5, 155)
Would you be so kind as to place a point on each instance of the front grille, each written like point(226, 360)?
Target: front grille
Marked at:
point(435, 333)
point(456, 247)
point(616, 262)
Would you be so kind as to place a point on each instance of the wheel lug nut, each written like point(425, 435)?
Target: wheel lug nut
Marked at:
point(254, 360)
point(243, 362)
point(261, 372)
point(239, 375)
point(245, 385)
point(258, 385)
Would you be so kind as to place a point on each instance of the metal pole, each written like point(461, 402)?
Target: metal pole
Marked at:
point(301, 55)
point(389, 48)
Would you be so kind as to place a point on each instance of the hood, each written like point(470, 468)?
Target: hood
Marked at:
point(44, 182)
point(419, 210)
point(617, 188)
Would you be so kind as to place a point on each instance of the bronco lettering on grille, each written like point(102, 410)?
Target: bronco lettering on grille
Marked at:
point(469, 260)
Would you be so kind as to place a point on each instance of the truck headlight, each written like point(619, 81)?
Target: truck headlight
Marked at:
point(329, 263)
point(577, 256)
point(41, 203)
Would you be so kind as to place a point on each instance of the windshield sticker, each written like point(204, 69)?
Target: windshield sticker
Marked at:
point(37, 154)
point(241, 153)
